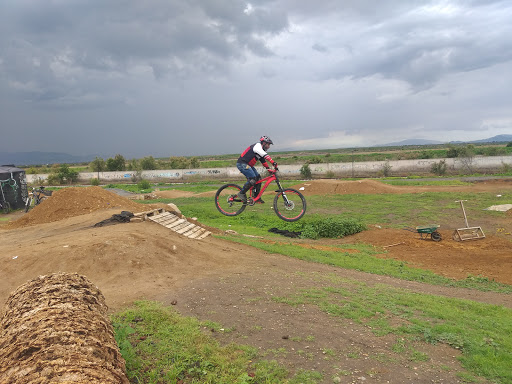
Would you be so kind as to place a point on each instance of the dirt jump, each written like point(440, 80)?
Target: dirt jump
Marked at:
point(232, 284)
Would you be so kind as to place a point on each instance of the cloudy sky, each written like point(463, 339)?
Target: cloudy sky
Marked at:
point(198, 77)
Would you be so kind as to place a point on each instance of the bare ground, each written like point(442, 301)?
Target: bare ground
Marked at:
point(233, 284)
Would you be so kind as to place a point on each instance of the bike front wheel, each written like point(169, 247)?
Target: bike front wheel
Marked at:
point(227, 201)
point(289, 204)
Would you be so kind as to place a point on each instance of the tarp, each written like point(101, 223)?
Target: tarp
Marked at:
point(13, 185)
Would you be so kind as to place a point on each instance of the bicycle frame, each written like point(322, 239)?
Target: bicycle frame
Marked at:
point(269, 179)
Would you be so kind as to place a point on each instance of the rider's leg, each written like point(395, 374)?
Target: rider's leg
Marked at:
point(257, 189)
point(251, 174)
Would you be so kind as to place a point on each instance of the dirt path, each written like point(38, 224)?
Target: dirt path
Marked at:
point(234, 285)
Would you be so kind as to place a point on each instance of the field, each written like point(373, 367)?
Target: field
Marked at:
point(270, 297)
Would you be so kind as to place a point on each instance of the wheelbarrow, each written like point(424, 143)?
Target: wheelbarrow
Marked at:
point(426, 231)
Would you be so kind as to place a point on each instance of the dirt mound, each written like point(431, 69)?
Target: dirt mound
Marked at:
point(329, 186)
point(74, 201)
point(55, 328)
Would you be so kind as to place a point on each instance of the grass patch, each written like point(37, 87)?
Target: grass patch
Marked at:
point(482, 332)
point(160, 346)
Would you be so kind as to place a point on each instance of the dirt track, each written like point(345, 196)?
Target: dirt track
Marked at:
point(233, 284)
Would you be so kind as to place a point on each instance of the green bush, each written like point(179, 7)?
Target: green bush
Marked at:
point(331, 228)
point(305, 171)
point(95, 181)
point(144, 184)
point(439, 168)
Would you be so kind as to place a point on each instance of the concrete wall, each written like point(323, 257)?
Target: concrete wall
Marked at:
point(357, 169)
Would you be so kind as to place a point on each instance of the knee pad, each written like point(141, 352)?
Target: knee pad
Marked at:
point(252, 181)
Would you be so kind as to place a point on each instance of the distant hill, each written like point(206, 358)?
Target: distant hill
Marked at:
point(24, 159)
point(497, 139)
point(411, 142)
point(494, 139)
point(21, 159)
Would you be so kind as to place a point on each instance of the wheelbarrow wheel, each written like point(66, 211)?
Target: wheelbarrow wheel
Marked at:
point(436, 236)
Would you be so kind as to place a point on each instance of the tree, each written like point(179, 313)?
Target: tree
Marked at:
point(118, 163)
point(64, 175)
point(465, 155)
point(98, 165)
point(148, 163)
point(194, 162)
point(178, 162)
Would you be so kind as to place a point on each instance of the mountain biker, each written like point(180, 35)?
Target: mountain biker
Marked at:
point(245, 164)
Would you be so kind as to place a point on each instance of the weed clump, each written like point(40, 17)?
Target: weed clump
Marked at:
point(330, 227)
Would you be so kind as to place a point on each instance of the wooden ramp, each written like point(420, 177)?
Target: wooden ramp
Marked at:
point(175, 223)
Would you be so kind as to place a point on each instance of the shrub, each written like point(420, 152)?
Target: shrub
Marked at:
point(386, 169)
point(305, 171)
point(439, 168)
point(329, 174)
point(331, 228)
point(95, 181)
point(144, 184)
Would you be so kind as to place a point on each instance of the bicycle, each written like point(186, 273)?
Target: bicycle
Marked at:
point(289, 204)
point(38, 196)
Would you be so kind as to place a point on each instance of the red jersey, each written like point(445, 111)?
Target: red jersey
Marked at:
point(254, 153)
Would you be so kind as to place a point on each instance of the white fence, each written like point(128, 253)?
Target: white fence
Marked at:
point(489, 165)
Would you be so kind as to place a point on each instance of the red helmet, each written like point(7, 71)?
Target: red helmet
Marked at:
point(265, 139)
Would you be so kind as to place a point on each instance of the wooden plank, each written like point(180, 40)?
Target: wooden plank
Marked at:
point(176, 223)
point(197, 233)
point(178, 227)
point(185, 229)
point(203, 235)
point(192, 231)
point(168, 220)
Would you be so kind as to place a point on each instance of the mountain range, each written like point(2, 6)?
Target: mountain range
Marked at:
point(42, 158)
point(494, 139)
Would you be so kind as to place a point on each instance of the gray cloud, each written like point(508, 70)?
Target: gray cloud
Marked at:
point(217, 74)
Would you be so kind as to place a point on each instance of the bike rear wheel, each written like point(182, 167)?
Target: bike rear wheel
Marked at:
point(289, 204)
point(28, 203)
point(227, 201)
point(6, 207)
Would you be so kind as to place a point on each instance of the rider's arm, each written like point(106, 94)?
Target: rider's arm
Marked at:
point(264, 156)
point(264, 161)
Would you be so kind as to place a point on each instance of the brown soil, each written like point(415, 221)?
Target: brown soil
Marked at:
point(233, 284)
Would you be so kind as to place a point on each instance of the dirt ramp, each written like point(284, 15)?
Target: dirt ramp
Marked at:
point(75, 201)
point(55, 329)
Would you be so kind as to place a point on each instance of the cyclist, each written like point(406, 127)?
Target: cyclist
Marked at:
point(245, 164)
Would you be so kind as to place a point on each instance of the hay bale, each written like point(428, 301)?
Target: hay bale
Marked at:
point(55, 329)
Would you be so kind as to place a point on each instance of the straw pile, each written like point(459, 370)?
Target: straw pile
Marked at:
point(55, 329)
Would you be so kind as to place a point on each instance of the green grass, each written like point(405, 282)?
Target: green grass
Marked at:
point(160, 346)
point(482, 332)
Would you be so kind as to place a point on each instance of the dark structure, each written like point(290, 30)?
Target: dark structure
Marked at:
point(13, 186)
